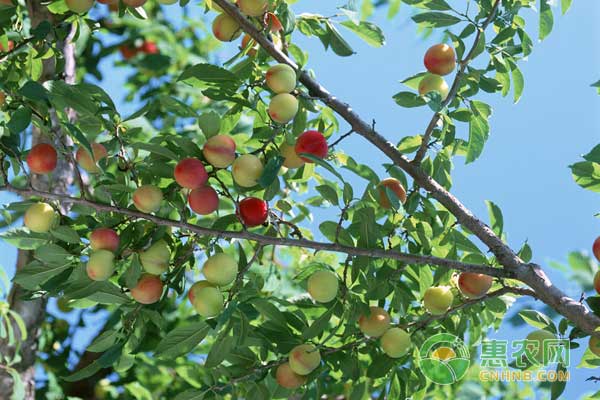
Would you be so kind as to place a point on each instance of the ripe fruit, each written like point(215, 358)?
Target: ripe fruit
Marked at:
point(134, 3)
point(596, 248)
point(219, 151)
point(11, 44)
point(147, 198)
point(440, 59)
point(287, 378)
point(101, 265)
point(246, 170)
point(283, 108)
point(438, 299)
point(323, 286)
point(156, 259)
point(395, 342)
point(149, 47)
point(537, 349)
point(79, 6)
point(594, 345)
point(40, 217)
point(104, 239)
point(250, 44)
point(190, 173)
point(291, 158)
point(396, 187)
point(127, 51)
point(220, 269)
point(597, 281)
point(281, 78)
point(84, 158)
point(6, 2)
point(253, 8)
point(203, 200)
point(42, 158)
point(208, 301)
point(313, 143)
point(374, 324)
point(192, 293)
point(433, 83)
point(474, 286)
point(304, 359)
point(148, 290)
point(225, 28)
point(2, 99)
point(252, 211)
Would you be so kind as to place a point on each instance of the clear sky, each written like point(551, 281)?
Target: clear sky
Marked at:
point(523, 168)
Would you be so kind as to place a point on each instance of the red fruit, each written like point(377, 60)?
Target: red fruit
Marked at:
point(253, 211)
point(11, 44)
point(42, 158)
point(596, 248)
point(597, 282)
point(128, 51)
point(312, 142)
point(440, 59)
point(148, 289)
point(149, 47)
point(104, 239)
point(190, 173)
point(203, 200)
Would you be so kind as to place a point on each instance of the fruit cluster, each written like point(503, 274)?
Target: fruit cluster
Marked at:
point(439, 60)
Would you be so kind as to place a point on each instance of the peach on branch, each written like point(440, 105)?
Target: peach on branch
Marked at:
point(281, 78)
point(594, 345)
point(84, 158)
point(148, 289)
point(79, 6)
point(376, 323)
point(396, 187)
point(438, 299)
point(246, 170)
point(473, 285)
point(253, 211)
point(101, 265)
point(208, 301)
point(156, 259)
point(597, 281)
point(190, 173)
point(226, 28)
point(440, 59)
point(203, 200)
point(128, 51)
point(537, 347)
point(40, 217)
point(253, 8)
point(287, 378)
point(220, 269)
point(11, 44)
point(134, 3)
point(283, 108)
point(323, 286)
point(304, 359)
point(149, 47)
point(42, 158)
point(596, 248)
point(219, 151)
point(195, 287)
point(313, 143)
point(2, 99)
point(433, 83)
point(147, 198)
point(291, 159)
point(104, 239)
point(395, 342)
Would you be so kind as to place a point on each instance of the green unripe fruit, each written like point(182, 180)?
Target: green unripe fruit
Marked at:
point(79, 6)
point(220, 269)
point(208, 301)
point(40, 217)
point(281, 78)
point(536, 349)
point(594, 345)
point(253, 8)
point(323, 286)
point(283, 108)
point(433, 83)
point(438, 299)
point(147, 198)
point(101, 265)
point(395, 342)
point(246, 170)
point(156, 259)
point(304, 359)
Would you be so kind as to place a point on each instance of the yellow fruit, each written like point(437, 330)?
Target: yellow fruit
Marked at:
point(395, 342)
point(323, 286)
point(304, 359)
point(40, 217)
point(438, 299)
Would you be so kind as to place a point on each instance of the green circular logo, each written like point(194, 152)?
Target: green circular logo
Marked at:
point(444, 359)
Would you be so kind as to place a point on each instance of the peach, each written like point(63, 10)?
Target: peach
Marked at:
point(40, 217)
point(42, 158)
point(281, 78)
point(79, 6)
point(192, 293)
point(596, 248)
point(597, 281)
point(128, 51)
point(203, 200)
point(283, 108)
point(101, 265)
point(374, 324)
point(220, 269)
point(323, 286)
point(304, 359)
point(246, 170)
point(208, 301)
point(104, 239)
point(252, 211)
point(149, 47)
point(253, 8)
point(440, 59)
point(474, 286)
point(313, 143)
point(396, 187)
point(594, 345)
point(6, 2)
point(11, 44)
point(226, 28)
point(433, 83)
point(2, 99)
point(287, 378)
point(215, 7)
point(148, 290)
point(291, 157)
point(134, 3)
point(219, 151)
point(537, 347)
point(438, 299)
point(190, 173)
point(147, 198)
point(395, 342)
point(84, 158)
point(250, 45)
point(155, 259)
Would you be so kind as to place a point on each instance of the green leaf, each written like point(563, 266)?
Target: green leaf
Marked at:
point(156, 149)
point(537, 319)
point(587, 175)
point(496, 219)
point(66, 234)
point(270, 171)
point(328, 194)
point(409, 99)
point(182, 340)
point(546, 19)
point(36, 273)
point(23, 239)
point(104, 341)
point(19, 120)
point(337, 43)
point(565, 5)
point(409, 144)
point(478, 134)
point(558, 386)
point(219, 351)
point(518, 83)
point(435, 19)
point(367, 31)
point(52, 254)
point(319, 325)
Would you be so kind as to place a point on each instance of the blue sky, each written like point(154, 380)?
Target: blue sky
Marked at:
point(524, 166)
